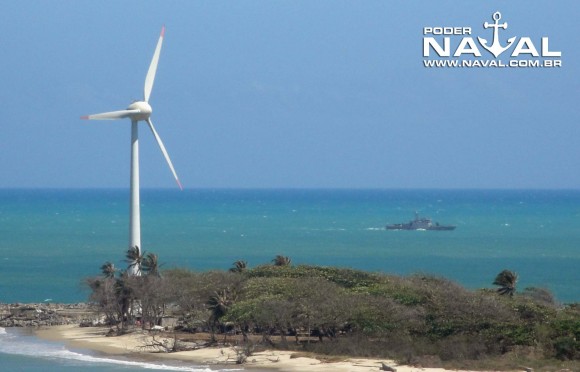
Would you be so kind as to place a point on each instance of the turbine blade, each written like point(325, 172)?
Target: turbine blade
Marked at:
point(160, 143)
point(111, 115)
point(153, 68)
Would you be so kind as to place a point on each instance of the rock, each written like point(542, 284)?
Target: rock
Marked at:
point(385, 367)
point(44, 314)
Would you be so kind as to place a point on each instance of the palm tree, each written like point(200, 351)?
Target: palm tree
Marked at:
point(506, 280)
point(125, 297)
point(150, 264)
point(135, 260)
point(108, 269)
point(219, 303)
point(239, 266)
point(280, 260)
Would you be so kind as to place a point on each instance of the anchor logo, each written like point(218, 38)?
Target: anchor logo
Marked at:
point(496, 49)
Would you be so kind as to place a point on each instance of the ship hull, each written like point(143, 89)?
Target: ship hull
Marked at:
point(420, 223)
point(432, 228)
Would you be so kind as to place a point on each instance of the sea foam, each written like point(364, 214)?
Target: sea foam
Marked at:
point(15, 343)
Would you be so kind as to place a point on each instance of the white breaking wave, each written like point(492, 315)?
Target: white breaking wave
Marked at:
point(12, 343)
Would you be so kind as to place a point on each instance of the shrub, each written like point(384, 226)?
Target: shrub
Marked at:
point(566, 347)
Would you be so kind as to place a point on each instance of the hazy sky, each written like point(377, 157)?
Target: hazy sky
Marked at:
point(286, 94)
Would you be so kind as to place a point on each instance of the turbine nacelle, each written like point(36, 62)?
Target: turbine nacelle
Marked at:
point(141, 111)
point(144, 110)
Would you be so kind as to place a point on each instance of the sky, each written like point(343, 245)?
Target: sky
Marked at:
point(288, 94)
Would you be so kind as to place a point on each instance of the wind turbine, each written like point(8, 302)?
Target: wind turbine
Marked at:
point(139, 111)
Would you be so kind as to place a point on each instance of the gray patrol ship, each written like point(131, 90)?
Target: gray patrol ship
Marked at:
point(420, 223)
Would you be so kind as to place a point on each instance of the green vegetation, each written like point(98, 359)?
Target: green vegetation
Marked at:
point(419, 319)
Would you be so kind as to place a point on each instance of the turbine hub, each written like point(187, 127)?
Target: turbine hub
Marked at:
point(143, 107)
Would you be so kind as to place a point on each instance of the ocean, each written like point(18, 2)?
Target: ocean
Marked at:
point(21, 351)
point(50, 240)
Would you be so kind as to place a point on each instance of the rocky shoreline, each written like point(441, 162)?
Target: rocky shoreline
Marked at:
point(45, 314)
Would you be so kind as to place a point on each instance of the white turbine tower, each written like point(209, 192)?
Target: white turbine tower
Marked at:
point(139, 111)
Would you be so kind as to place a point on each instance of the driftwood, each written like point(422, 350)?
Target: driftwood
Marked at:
point(167, 344)
point(164, 345)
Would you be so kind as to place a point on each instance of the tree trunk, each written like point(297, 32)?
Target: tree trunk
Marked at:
point(266, 338)
point(284, 341)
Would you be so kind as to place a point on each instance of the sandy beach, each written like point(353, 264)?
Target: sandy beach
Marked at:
point(94, 338)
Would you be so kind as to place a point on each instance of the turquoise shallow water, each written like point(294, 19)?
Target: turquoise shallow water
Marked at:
point(21, 351)
point(51, 239)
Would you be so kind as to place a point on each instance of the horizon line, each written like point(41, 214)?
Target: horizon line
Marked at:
point(330, 188)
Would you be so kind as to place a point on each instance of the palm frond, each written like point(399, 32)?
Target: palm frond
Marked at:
point(280, 260)
point(108, 269)
point(506, 280)
point(150, 264)
point(239, 266)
